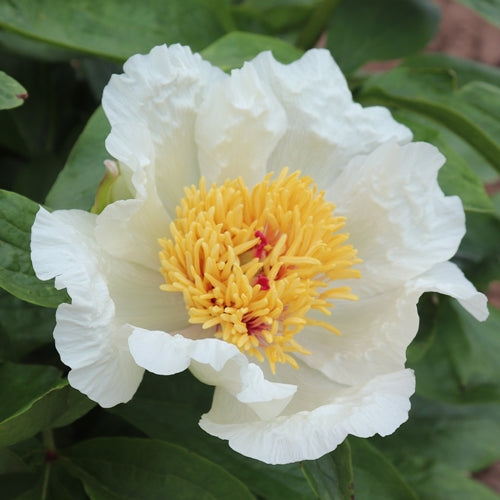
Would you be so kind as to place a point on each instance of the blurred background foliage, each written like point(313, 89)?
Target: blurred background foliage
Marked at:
point(55, 58)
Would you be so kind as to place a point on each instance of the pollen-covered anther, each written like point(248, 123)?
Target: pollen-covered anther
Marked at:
point(252, 265)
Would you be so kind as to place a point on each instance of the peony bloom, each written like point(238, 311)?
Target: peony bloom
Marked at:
point(276, 241)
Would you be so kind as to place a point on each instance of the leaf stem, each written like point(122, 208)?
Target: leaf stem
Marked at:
point(50, 455)
point(316, 24)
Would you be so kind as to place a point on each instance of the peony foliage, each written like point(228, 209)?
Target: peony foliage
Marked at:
point(260, 269)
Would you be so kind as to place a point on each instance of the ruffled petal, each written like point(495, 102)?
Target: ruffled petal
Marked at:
point(378, 407)
point(376, 331)
point(213, 362)
point(397, 216)
point(448, 279)
point(251, 115)
point(325, 127)
point(87, 336)
point(152, 109)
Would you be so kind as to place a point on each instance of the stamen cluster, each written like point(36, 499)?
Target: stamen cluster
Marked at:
point(252, 265)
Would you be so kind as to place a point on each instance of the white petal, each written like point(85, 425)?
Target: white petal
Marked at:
point(396, 214)
point(378, 407)
point(238, 126)
point(86, 335)
point(376, 331)
point(130, 230)
point(213, 362)
point(152, 109)
point(448, 279)
point(325, 127)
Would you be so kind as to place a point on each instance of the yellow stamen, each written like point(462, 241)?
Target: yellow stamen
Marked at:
point(252, 264)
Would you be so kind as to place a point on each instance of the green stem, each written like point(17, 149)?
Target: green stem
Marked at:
point(316, 24)
point(50, 445)
point(48, 439)
point(46, 477)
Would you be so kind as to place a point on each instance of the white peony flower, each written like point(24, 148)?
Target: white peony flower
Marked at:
point(245, 283)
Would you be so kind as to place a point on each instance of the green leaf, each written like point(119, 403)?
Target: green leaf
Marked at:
point(374, 475)
point(481, 242)
point(23, 327)
point(488, 9)
point(35, 398)
point(21, 486)
point(472, 111)
point(116, 468)
point(439, 481)
point(465, 70)
point(12, 93)
point(17, 215)
point(169, 408)
point(117, 29)
point(272, 16)
point(363, 30)
point(456, 177)
point(463, 358)
point(47, 480)
point(11, 462)
point(76, 185)
point(466, 437)
point(331, 476)
point(233, 49)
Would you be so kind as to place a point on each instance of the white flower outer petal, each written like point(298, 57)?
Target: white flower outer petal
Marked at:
point(86, 335)
point(130, 229)
point(377, 331)
point(378, 407)
point(152, 109)
point(397, 217)
point(238, 126)
point(448, 279)
point(325, 128)
point(213, 362)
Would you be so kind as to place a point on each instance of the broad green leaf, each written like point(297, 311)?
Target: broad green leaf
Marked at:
point(23, 327)
point(47, 481)
point(456, 177)
point(374, 475)
point(488, 9)
point(21, 486)
point(440, 481)
point(363, 30)
point(232, 50)
point(463, 357)
point(17, 214)
point(331, 476)
point(465, 70)
point(116, 468)
point(471, 111)
point(10, 462)
point(272, 16)
point(35, 398)
point(116, 29)
point(482, 239)
point(12, 93)
point(34, 49)
point(466, 437)
point(77, 183)
point(169, 408)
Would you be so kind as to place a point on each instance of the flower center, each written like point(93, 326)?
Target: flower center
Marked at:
point(254, 264)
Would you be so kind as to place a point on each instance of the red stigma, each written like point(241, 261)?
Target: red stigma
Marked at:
point(263, 281)
point(255, 327)
point(261, 247)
